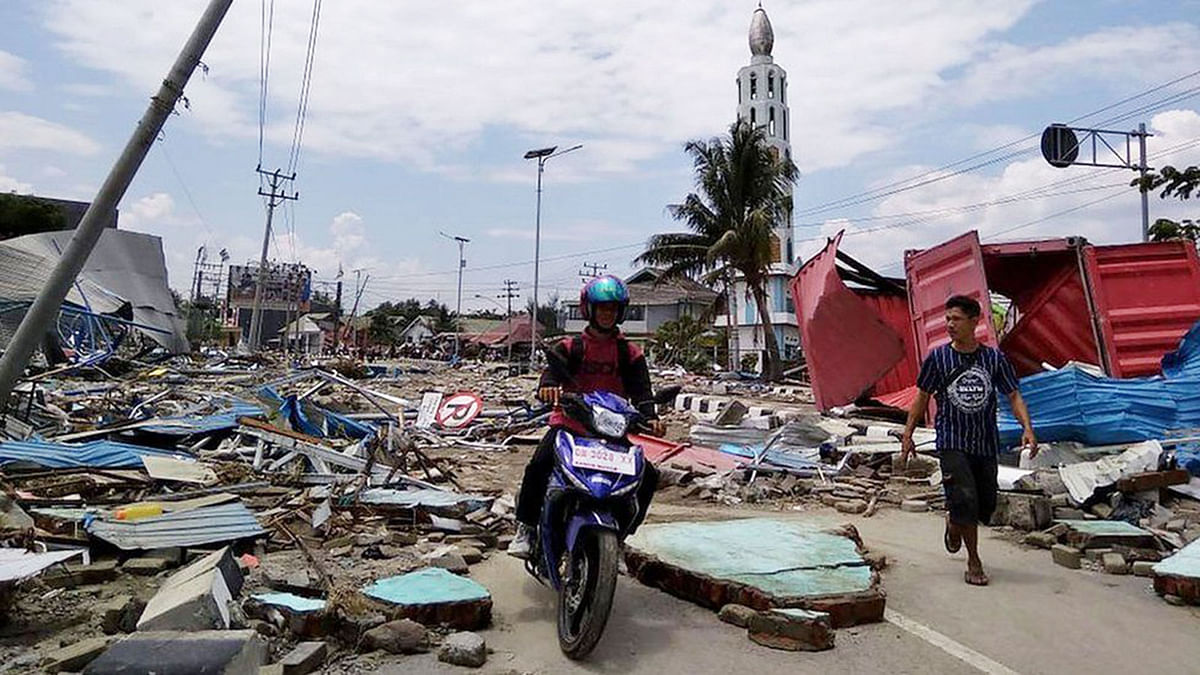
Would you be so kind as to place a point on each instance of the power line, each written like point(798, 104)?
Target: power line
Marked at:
point(305, 87)
point(937, 175)
point(267, 27)
point(186, 192)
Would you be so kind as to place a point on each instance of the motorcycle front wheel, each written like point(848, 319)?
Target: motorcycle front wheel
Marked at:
point(585, 598)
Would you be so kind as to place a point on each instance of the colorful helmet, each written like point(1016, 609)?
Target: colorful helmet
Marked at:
point(605, 288)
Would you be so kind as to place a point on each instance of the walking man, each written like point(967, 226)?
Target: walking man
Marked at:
point(963, 378)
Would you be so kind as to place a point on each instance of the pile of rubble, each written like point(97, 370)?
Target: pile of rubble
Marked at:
point(237, 513)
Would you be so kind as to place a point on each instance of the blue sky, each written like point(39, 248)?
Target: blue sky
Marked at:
point(420, 112)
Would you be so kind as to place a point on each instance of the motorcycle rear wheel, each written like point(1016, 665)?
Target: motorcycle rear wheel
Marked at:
point(586, 596)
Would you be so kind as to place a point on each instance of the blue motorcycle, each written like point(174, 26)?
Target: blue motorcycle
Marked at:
point(589, 507)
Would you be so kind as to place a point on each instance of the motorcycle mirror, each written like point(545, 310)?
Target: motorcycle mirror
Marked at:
point(667, 394)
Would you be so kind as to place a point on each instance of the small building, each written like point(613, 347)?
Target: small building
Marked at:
point(418, 331)
point(653, 301)
point(303, 335)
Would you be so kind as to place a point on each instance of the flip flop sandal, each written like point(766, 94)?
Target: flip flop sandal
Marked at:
point(976, 578)
point(949, 543)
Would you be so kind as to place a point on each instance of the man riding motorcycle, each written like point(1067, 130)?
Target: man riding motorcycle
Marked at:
point(599, 359)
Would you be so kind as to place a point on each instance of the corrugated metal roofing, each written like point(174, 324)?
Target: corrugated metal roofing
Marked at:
point(952, 268)
point(93, 454)
point(208, 525)
point(1073, 405)
point(17, 564)
point(187, 425)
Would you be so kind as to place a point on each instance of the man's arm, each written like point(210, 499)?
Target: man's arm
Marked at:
point(1028, 439)
point(916, 413)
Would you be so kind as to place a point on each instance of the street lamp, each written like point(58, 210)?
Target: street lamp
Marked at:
point(542, 156)
point(462, 262)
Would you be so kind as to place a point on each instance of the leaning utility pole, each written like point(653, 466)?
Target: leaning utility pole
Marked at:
point(274, 198)
point(43, 310)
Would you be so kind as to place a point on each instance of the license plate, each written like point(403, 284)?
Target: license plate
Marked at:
point(601, 459)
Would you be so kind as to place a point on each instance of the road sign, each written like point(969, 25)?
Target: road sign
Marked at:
point(430, 402)
point(459, 410)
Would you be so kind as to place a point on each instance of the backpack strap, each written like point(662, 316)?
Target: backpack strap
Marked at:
point(623, 359)
point(575, 354)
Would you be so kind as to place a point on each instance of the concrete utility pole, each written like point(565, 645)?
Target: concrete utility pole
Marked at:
point(337, 315)
point(510, 292)
point(40, 315)
point(591, 271)
point(274, 198)
point(542, 156)
point(462, 263)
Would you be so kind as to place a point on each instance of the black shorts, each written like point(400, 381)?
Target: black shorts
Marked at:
point(970, 484)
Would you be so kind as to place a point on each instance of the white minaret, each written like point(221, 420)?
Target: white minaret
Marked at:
point(762, 100)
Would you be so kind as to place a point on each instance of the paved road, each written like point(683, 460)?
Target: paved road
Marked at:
point(1036, 617)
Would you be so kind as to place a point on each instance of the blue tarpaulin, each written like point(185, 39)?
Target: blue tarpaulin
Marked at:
point(332, 424)
point(1073, 405)
point(186, 425)
point(94, 454)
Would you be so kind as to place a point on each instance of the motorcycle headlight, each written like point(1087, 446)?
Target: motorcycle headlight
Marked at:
point(609, 423)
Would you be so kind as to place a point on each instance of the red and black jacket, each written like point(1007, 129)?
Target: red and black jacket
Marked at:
point(602, 362)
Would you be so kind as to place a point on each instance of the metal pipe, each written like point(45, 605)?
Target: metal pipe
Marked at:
point(39, 317)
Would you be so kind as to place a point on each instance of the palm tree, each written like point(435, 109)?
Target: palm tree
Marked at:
point(743, 191)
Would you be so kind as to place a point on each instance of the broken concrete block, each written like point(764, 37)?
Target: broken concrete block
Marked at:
point(1102, 510)
point(434, 596)
point(228, 652)
point(121, 615)
point(402, 636)
point(851, 506)
point(174, 555)
point(145, 567)
point(914, 505)
point(732, 415)
point(306, 658)
point(451, 562)
point(738, 615)
point(1096, 555)
point(1025, 512)
point(792, 630)
point(196, 597)
point(99, 572)
point(470, 554)
point(303, 616)
point(1114, 563)
point(1067, 513)
point(464, 649)
point(1067, 556)
point(1040, 539)
point(1143, 568)
point(74, 657)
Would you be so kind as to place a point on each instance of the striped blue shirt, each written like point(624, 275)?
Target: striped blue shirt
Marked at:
point(966, 406)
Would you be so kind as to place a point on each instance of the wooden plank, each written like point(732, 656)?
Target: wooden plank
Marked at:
point(1153, 480)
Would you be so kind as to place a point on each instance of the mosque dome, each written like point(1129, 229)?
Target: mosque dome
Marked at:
point(762, 37)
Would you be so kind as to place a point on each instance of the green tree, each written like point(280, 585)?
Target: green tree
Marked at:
point(743, 192)
point(548, 315)
point(21, 215)
point(1173, 183)
point(686, 342)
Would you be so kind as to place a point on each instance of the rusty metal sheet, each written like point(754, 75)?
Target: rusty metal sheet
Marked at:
point(934, 274)
point(847, 346)
point(1147, 297)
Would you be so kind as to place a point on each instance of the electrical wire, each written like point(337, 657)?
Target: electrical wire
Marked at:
point(305, 88)
point(267, 27)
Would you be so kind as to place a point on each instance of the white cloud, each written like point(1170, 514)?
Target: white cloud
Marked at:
point(51, 171)
point(19, 131)
point(420, 83)
point(10, 184)
point(1043, 192)
point(14, 72)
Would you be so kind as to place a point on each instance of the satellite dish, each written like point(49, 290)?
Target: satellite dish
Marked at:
point(1060, 146)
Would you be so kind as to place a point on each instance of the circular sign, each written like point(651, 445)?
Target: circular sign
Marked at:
point(1060, 146)
point(459, 410)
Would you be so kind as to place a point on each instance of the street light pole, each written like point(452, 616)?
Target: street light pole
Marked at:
point(462, 263)
point(542, 156)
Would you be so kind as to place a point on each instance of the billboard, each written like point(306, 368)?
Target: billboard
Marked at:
point(285, 285)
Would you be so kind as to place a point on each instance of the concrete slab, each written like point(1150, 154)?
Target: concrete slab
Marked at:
point(434, 596)
point(196, 597)
point(224, 652)
point(1179, 575)
point(305, 616)
point(74, 657)
point(1085, 534)
point(761, 563)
